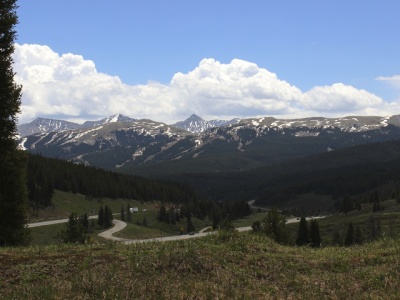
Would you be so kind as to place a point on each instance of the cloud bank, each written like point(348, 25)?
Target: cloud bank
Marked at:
point(69, 87)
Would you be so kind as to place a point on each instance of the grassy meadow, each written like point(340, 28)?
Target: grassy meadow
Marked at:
point(221, 266)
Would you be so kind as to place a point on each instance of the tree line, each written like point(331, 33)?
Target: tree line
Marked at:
point(44, 175)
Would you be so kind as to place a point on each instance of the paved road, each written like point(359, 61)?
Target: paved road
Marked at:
point(52, 222)
point(202, 233)
point(108, 234)
point(119, 225)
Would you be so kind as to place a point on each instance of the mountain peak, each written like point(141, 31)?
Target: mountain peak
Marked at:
point(194, 116)
point(110, 119)
point(194, 124)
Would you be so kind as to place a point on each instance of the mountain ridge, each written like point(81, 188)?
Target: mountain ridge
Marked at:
point(246, 144)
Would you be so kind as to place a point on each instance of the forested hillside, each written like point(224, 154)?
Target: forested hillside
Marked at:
point(353, 171)
point(47, 174)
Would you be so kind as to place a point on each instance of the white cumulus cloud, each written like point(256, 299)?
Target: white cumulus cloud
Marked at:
point(69, 87)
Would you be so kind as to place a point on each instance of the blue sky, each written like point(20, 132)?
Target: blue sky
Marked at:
point(341, 55)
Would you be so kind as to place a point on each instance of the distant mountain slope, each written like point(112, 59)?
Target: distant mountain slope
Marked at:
point(112, 119)
point(197, 124)
point(148, 146)
point(352, 171)
point(194, 124)
point(42, 125)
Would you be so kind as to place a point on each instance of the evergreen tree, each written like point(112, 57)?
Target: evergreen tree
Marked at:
point(303, 236)
point(13, 189)
point(92, 225)
point(274, 226)
point(128, 214)
point(190, 228)
point(74, 232)
point(171, 216)
point(122, 213)
point(85, 222)
point(315, 236)
point(256, 226)
point(358, 236)
point(216, 217)
point(349, 239)
point(347, 204)
point(377, 202)
point(100, 218)
point(227, 225)
point(162, 214)
point(373, 230)
point(108, 217)
point(374, 197)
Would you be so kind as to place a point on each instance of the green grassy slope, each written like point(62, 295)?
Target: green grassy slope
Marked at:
point(243, 266)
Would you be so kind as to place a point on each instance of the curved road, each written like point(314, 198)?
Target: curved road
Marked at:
point(119, 225)
point(201, 233)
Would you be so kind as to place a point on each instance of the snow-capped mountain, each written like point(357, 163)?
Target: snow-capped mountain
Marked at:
point(346, 124)
point(194, 124)
point(248, 143)
point(197, 124)
point(218, 123)
point(42, 125)
point(111, 119)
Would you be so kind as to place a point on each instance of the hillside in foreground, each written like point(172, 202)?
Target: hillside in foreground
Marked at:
point(238, 266)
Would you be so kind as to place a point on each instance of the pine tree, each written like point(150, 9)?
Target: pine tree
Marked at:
point(108, 217)
point(347, 204)
point(100, 218)
point(315, 237)
point(227, 225)
point(358, 236)
point(13, 189)
point(85, 222)
point(122, 213)
point(303, 236)
point(274, 226)
point(162, 214)
point(74, 232)
point(190, 228)
point(171, 216)
point(128, 214)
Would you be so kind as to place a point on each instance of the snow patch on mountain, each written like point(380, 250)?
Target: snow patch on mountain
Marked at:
point(196, 124)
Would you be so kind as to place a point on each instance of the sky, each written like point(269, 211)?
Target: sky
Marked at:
point(165, 60)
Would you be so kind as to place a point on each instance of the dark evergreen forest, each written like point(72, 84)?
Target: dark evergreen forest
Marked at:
point(47, 174)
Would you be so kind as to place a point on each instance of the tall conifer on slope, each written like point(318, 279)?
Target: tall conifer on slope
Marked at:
point(315, 237)
point(100, 218)
point(303, 235)
point(13, 190)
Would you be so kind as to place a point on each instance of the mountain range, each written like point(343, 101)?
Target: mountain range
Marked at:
point(127, 144)
point(194, 124)
point(255, 158)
